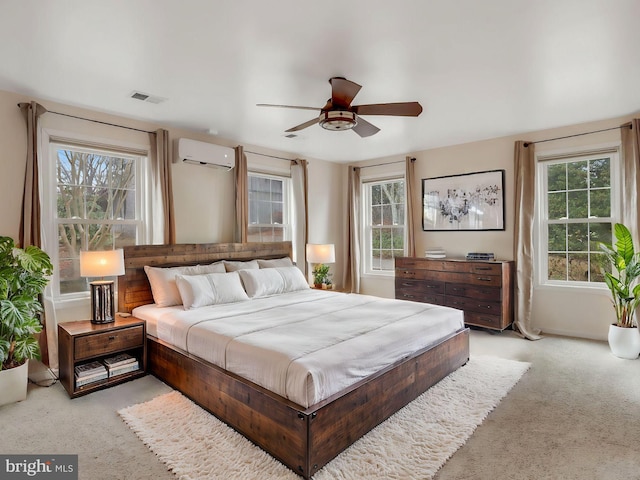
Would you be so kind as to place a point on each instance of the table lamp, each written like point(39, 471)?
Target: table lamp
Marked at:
point(320, 254)
point(107, 263)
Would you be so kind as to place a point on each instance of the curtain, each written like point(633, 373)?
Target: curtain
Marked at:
point(300, 185)
point(410, 181)
point(30, 220)
point(242, 196)
point(523, 237)
point(162, 218)
point(352, 274)
point(630, 134)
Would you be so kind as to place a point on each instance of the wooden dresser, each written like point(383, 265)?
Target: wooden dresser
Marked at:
point(484, 290)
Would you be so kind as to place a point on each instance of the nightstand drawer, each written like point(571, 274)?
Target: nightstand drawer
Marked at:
point(104, 343)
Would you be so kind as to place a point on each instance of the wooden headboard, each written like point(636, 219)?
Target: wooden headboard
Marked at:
point(134, 289)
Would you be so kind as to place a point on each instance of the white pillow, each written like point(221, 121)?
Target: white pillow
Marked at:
point(210, 289)
point(234, 266)
point(163, 283)
point(216, 267)
point(272, 281)
point(276, 262)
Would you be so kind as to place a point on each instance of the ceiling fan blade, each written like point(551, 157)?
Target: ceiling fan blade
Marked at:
point(343, 91)
point(317, 109)
point(364, 128)
point(304, 125)
point(404, 109)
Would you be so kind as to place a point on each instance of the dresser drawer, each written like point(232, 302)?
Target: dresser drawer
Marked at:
point(478, 292)
point(418, 296)
point(484, 320)
point(420, 286)
point(473, 305)
point(109, 342)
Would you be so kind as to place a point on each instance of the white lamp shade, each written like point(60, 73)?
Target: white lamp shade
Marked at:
point(318, 253)
point(107, 263)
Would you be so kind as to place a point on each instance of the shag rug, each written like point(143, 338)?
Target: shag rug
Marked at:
point(413, 443)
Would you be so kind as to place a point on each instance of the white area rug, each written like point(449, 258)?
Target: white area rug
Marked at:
point(414, 443)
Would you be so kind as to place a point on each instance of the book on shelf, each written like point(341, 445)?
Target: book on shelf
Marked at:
point(89, 369)
point(91, 379)
point(122, 369)
point(118, 360)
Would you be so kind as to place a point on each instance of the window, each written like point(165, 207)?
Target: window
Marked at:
point(97, 205)
point(578, 208)
point(269, 209)
point(384, 232)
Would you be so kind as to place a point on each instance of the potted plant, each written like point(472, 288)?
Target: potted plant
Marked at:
point(320, 274)
point(624, 339)
point(23, 276)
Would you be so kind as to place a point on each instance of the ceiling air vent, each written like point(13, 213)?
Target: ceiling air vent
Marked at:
point(145, 97)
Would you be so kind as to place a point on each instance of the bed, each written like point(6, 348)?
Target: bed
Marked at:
point(309, 424)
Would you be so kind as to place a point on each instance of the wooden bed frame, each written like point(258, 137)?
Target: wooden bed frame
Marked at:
point(304, 439)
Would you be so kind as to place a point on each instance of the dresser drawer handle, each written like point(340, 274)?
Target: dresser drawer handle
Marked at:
point(407, 272)
point(484, 279)
point(112, 337)
point(408, 296)
point(432, 286)
point(483, 268)
point(407, 284)
point(458, 289)
point(484, 306)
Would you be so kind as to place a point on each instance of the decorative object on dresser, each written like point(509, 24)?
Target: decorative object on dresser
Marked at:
point(484, 290)
point(107, 263)
point(95, 356)
point(472, 201)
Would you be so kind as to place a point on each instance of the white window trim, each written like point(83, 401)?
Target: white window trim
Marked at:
point(48, 199)
point(287, 201)
point(367, 271)
point(540, 233)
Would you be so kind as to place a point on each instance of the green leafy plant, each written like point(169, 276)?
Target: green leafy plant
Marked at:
point(23, 276)
point(625, 290)
point(320, 273)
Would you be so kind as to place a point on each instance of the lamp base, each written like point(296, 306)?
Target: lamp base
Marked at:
point(102, 305)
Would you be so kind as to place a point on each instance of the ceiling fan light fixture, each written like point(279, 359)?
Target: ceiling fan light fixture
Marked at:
point(337, 120)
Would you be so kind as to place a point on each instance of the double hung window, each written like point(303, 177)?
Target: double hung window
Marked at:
point(578, 208)
point(269, 208)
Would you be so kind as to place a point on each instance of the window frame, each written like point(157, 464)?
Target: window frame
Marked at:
point(51, 142)
point(287, 203)
point(541, 221)
point(367, 227)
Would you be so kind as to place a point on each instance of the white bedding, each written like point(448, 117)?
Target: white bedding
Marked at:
point(304, 345)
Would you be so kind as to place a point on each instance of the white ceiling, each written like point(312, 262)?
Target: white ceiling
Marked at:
point(480, 68)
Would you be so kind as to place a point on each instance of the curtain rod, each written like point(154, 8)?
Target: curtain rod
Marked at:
point(526, 144)
point(98, 121)
point(386, 163)
point(270, 156)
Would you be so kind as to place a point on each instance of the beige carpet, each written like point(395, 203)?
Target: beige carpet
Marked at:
point(414, 443)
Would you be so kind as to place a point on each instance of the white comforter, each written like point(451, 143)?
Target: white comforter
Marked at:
point(305, 345)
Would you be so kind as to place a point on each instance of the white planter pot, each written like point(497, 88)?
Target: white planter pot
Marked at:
point(624, 342)
point(13, 384)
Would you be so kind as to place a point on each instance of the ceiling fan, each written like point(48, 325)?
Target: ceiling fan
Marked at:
point(339, 114)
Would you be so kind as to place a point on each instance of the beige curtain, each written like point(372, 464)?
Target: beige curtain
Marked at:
point(300, 185)
point(30, 220)
point(352, 273)
point(630, 134)
point(410, 181)
point(524, 160)
point(242, 196)
point(161, 189)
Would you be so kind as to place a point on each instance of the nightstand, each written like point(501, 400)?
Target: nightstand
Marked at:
point(83, 342)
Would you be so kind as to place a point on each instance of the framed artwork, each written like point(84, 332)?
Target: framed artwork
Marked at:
point(472, 201)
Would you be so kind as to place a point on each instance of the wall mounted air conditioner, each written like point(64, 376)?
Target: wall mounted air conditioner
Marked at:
point(206, 154)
